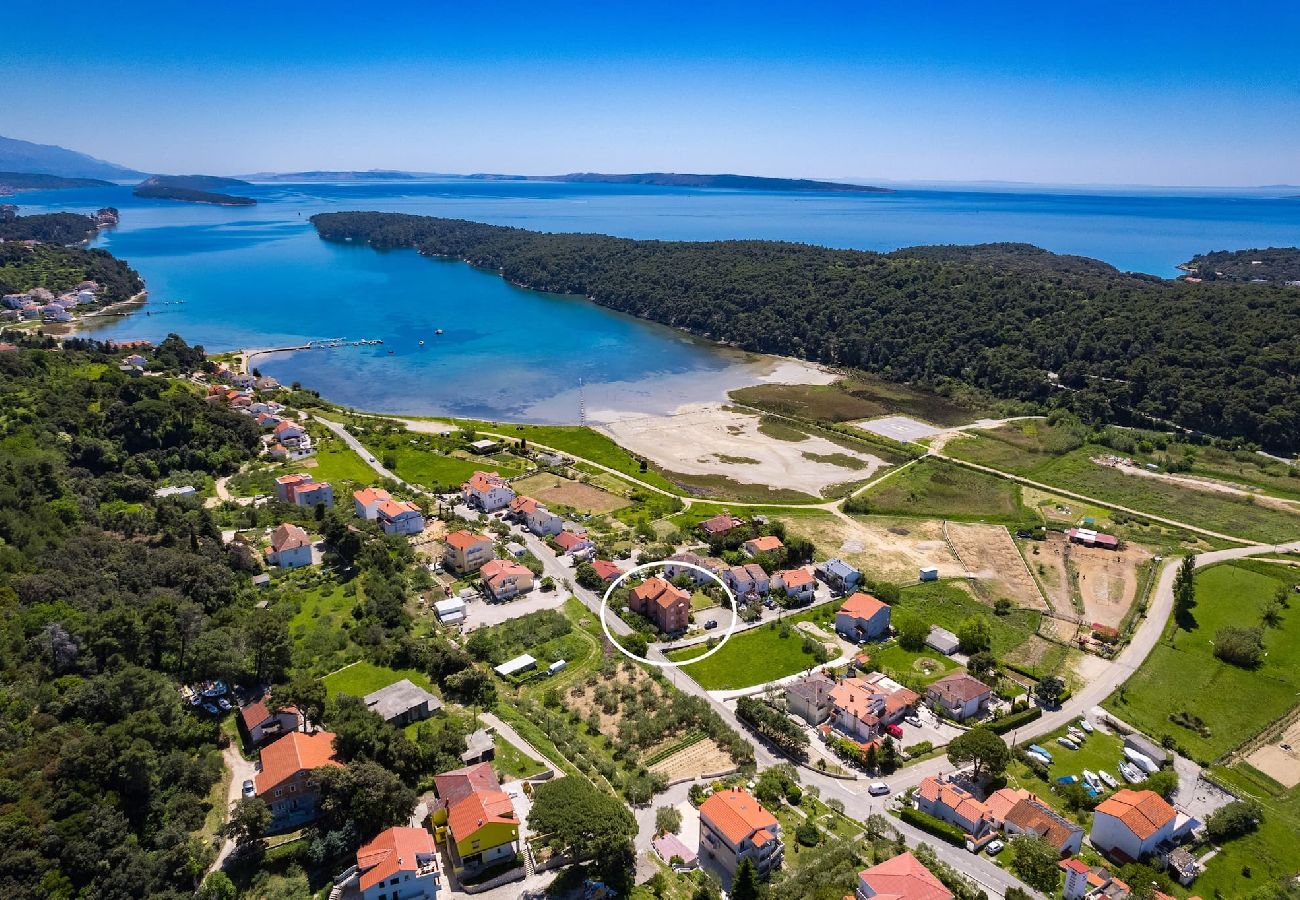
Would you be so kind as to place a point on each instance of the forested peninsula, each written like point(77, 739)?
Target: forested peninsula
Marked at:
point(193, 189)
point(1010, 319)
point(1266, 264)
point(27, 181)
point(52, 228)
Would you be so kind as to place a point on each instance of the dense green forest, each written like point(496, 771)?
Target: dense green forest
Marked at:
point(28, 181)
point(1219, 358)
point(193, 189)
point(1268, 263)
point(62, 268)
point(729, 182)
point(53, 228)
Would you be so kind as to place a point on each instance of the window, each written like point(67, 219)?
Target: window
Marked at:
point(293, 788)
point(394, 881)
point(278, 792)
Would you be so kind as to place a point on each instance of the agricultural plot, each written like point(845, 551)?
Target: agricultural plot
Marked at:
point(989, 554)
point(938, 489)
point(949, 603)
point(563, 493)
point(1182, 675)
point(756, 656)
point(884, 548)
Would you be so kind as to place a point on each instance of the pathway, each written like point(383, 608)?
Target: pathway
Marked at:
point(241, 770)
point(503, 728)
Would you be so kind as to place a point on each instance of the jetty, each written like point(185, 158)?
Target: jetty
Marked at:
point(246, 357)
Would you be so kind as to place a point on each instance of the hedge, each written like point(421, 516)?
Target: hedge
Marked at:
point(930, 825)
point(1015, 720)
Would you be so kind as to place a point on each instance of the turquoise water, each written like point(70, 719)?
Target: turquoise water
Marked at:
point(259, 277)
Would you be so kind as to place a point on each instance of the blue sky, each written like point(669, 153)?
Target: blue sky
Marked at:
point(1188, 93)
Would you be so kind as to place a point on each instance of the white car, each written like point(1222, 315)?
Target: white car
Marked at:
point(878, 789)
point(914, 721)
point(249, 790)
point(994, 848)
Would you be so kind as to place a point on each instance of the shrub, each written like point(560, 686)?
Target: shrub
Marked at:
point(1233, 820)
point(930, 825)
point(1239, 646)
point(1015, 720)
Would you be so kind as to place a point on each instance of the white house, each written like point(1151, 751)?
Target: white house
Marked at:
point(747, 580)
point(954, 805)
point(399, 864)
point(400, 517)
point(735, 826)
point(672, 567)
point(798, 584)
point(261, 722)
point(1132, 822)
point(863, 618)
point(960, 695)
point(487, 490)
point(290, 547)
point(450, 612)
point(366, 502)
point(535, 517)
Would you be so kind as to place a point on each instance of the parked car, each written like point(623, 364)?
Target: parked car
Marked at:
point(878, 789)
point(994, 848)
point(894, 730)
point(914, 721)
point(211, 709)
point(224, 704)
point(712, 623)
point(249, 790)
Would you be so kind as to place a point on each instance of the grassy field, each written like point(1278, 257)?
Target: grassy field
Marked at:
point(687, 519)
point(720, 487)
point(948, 603)
point(934, 488)
point(365, 677)
point(752, 657)
point(1242, 467)
point(859, 397)
point(919, 667)
point(1269, 853)
point(320, 639)
point(1052, 456)
point(513, 762)
point(334, 462)
point(1183, 674)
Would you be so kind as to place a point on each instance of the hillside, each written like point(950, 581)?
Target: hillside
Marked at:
point(60, 269)
point(729, 182)
point(53, 228)
point(1213, 357)
point(49, 159)
point(1269, 264)
point(26, 181)
point(192, 189)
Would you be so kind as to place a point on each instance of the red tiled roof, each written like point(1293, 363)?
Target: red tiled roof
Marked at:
point(473, 797)
point(958, 687)
point(904, 878)
point(485, 481)
point(257, 712)
point(606, 569)
point(765, 544)
point(795, 578)
point(295, 752)
point(863, 606)
point(1031, 815)
point(523, 504)
point(370, 495)
point(567, 540)
point(496, 571)
point(1142, 812)
point(737, 815)
point(659, 592)
point(463, 540)
point(720, 523)
point(392, 851)
point(954, 798)
point(288, 536)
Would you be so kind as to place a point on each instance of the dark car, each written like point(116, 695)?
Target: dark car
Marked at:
point(712, 623)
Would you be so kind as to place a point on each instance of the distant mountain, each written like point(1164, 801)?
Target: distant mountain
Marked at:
point(47, 159)
point(331, 176)
point(192, 189)
point(672, 179)
point(12, 182)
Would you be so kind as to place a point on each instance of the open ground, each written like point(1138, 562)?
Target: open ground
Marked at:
point(989, 555)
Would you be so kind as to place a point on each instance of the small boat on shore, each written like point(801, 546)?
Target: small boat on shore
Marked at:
point(1132, 774)
point(1107, 778)
point(1085, 725)
point(1067, 743)
point(1091, 778)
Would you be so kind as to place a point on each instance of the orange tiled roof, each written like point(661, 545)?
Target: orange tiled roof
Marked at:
point(606, 569)
point(1001, 801)
point(288, 536)
point(795, 578)
point(523, 504)
point(659, 592)
point(392, 851)
point(485, 481)
point(473, 797)
point(1031, 815)
point(1142, 812)
point(295, 752)
point(567, 540)
point(463, 540)
point(737, 815)
point(496, 571)
point(370, 495)
point(257, 712)
point(954, 798)
point(392, 508)
point(295, 478)
point(863, 606)
point(765, 544)
point(904, 878)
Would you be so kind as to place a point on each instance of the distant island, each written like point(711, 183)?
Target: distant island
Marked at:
point(672, 179)
point(1261, 265)
point(13, 182)
point(332, 176)
point(53, 228)
point(1012, 320)
point(192, 189)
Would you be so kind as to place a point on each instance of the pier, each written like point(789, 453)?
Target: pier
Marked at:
point(246, 357)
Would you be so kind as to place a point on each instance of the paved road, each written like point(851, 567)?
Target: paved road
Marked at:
point(241, 770)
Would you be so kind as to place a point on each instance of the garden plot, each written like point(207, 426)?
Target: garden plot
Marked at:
point(1280, 760)
point(989, 554)
point(703, 757)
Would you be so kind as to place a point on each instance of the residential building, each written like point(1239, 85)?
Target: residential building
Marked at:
point(1089, 538)
point(954, 805)
point(943, 640)
point(135, 359)
point(673, 568)
point(466, 552)
point(367, 500)
point(579, 546)
point(484, 446)
point(290, 547)
point(505, 579)
point(901, 878)
point(487, 491)
point(535, 516)
point(291, 434)
point(262, 723)
point(669, 847)
point(607, 570)
point(450, 611)
point(838, 575)
point(748, 581)
point(720, 524)
point(1132, 823)
point(400, 517)
point(479, 747)
point(863, 618)
point(1182, 866)
point(959, 695)
point(287, 783)
point(478, 817)
point(401, 863)
point(669, 607)
point(735, 826)
point(809, 698)
point(1094, 883)
point(1029, 815)
point(768, 543)
point(185, 490)
point(864, 707)
point(403, 702)
point(303, 490)
point(797, 584)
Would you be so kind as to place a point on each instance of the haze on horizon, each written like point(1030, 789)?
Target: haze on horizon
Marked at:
point(1159, 94)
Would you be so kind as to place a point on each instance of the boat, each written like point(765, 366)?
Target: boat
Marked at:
point(224, 704)
point(1067, 779)
point(1141, 760)
point(1034, 748)
point(439, 331)
point(211, 710)
point(1067, 743)
point(421, 343)
point(1107, 778)
point(1132, 774)
point(1076, 735)
point(1085, 725)
point(1091, 777)
point(1041, 757)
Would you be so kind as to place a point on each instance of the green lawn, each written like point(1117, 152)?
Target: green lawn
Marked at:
point(365, 677)
point(1049, 455)
point(1098, 751)
point(1183, 675)
point(937, 489)
point(1269, 852)
point(335, 462)
point(752, 657)
point(947, 604)
point(923, 667)
point(435, 471)
point(512, 762)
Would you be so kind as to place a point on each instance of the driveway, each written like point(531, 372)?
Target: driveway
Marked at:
point(481, 612)
point(241, 770)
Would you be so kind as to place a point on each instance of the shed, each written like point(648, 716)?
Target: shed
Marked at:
point(930, 573)
point(557, 666)
point(262, 580)
point(516, 549)
point(943, 640)
point(483, 446)
point(451, 611)
point(519, 664)
point(403, 702)
point(479, 747)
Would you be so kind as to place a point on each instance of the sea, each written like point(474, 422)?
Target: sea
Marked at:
point(458, 341)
